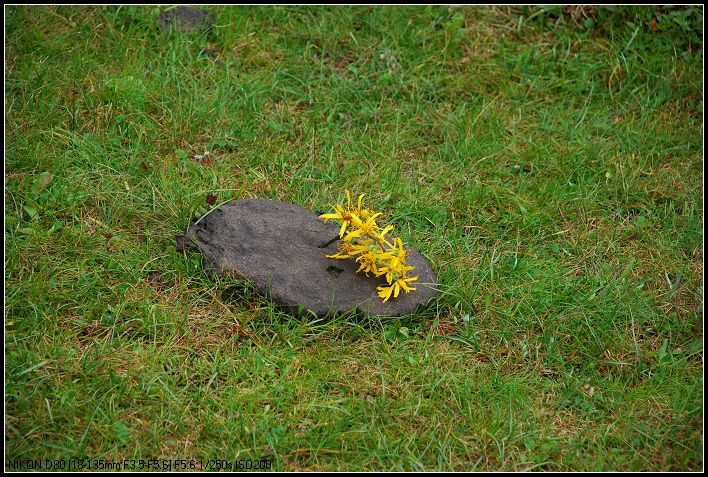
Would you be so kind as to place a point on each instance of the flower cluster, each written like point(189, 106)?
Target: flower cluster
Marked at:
point(365, 240)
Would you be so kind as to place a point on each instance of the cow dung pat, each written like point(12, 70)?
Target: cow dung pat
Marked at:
point(185, 19)
point(278, 248)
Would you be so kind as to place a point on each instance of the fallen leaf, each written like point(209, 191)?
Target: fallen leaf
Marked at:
point(42, 181)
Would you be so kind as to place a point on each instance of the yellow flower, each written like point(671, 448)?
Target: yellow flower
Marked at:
point(347, 215)
point(361, 212)
point(366, 228)
point(346, 250)
point(400, 254)
point(399, 271)
point(395, 288)
point(381, 235)
point(368, 263)
point(365, 241)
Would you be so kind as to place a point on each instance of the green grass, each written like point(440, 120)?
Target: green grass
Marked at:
point(547, 162)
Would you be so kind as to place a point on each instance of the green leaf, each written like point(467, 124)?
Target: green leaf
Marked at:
point(31, 211)
point(386, 78)
point(121, 432)
point(662, 351)
point(56, 226)
point(41, 182)
point(628, 270)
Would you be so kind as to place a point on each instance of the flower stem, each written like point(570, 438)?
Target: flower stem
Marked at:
point(327, 243)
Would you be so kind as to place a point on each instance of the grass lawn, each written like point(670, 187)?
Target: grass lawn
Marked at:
point(547, 162)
